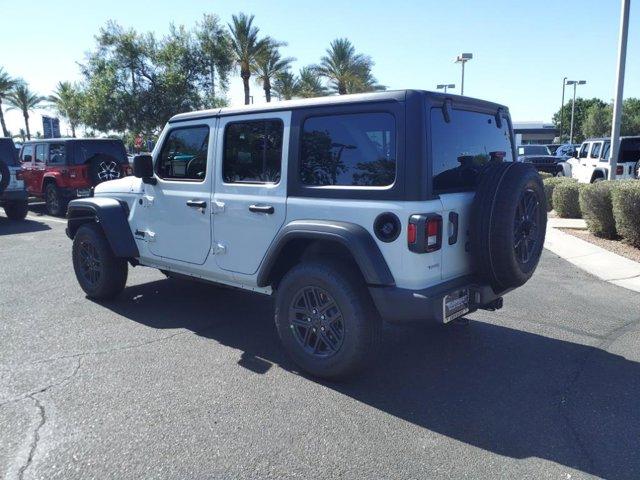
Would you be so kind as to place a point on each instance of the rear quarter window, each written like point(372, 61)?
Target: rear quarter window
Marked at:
point(86, 150)
point(462, 147)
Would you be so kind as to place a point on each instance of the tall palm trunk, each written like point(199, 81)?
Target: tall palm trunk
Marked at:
point(25, 114)
point(267, 89)
point(73, 130)
point(245, 74)
point(5, 132)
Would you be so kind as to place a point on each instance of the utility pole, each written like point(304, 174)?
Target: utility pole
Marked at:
point(575, 83)
point(617, 104)
point(564, 80)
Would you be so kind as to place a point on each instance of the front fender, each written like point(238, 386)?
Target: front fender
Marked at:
point(354, 237)
point(111, 215)
point(55, 176)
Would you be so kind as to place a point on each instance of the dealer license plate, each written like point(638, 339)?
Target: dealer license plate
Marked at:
point(455, 304)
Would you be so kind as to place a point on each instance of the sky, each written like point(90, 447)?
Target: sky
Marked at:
point(522, 49)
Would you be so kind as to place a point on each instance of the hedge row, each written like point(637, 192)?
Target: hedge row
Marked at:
point(610, 208)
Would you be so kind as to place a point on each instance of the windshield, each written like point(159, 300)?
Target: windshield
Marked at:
point(533, 150)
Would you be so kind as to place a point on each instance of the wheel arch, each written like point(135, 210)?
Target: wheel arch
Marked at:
point(111, 215)
point(599, 172)
point(301, 239)
point(49, 178)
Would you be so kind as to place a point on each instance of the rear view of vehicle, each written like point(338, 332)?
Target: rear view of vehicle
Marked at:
point(60, 170)
point(13, 195)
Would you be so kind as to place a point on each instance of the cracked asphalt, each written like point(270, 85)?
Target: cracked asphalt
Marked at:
point(182, 380)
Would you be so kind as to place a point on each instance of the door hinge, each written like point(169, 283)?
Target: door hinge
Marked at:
point(218, 249)
point(147, 201)
point(217, 207)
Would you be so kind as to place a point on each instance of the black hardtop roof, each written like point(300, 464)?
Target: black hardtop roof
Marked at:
point(387, 95)
point(66, 139)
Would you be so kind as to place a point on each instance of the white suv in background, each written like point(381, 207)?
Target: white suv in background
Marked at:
point(591, 163)
point(399, 206)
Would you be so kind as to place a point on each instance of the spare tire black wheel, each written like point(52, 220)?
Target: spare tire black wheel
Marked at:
point(103, 168)
point(5, 176)
point(508, 224)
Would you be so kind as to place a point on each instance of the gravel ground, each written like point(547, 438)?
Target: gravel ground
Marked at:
point(615, 246)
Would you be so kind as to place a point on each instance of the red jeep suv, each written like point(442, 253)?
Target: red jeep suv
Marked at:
point(61, 169)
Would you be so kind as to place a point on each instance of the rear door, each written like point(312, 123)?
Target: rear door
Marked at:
point(179, 218)
point(250, 188)
point(459, 150)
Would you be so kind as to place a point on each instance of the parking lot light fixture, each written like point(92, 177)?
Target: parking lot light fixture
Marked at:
point(575, 83)
point(462, 59)
point(445, 86)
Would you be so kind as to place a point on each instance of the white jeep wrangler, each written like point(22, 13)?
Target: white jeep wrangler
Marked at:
point(591, 161)
point(398, 206)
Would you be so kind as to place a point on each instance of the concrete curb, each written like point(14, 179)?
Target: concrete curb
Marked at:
point(595, 260)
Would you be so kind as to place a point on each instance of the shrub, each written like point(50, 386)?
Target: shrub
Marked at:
point(550, 184)
point(544, 175)
point(625, 201)
point(566, 199)
point(596, 208)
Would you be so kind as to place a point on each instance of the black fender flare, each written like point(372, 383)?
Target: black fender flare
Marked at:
point(354, 237)
point(112, 217)
point(599, 170)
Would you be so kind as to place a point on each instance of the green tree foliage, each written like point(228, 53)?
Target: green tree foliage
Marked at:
point(67, 101)
point(593, 118)
point(310, 83)
point(23, 99)
point(286, 85)
point(6, 85)
point(346, 70)
point(268, 65)
point(246, 46)
point(216, 56)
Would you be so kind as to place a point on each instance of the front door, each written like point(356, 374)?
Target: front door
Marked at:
point(179, 219)
point(250, 190)
point(26, 159)
point(39, 167)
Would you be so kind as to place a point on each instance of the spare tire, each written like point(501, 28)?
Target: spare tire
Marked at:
point(103, 168)
point(5, 176)
point(508, 224)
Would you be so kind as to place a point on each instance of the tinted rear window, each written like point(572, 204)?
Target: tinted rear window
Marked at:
point(85, 150)
point(461, 148)
point(629, 150)
point(8, 151)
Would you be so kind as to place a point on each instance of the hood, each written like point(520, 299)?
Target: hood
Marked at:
point(128, 184)
point(538, 158)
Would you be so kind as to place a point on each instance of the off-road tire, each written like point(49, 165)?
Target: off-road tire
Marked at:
point(16, 210)
point(499, 225)
point(5, 176)
point(55, 203)
point(361, 322)
point(111, 276)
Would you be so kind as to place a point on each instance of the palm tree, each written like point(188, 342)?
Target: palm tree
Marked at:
point(268, 65)
point(310, 84)
point(23, 99)
point(6, 85)
point(286, 85)
point(67, 101)
point(215, 49)
point(246, 47)
point(344, 68)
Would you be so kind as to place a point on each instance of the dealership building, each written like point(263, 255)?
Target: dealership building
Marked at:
point(534, 133)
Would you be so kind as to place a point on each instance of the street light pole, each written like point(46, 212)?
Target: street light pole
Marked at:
point(575, 83)
point(462, 59)
point(445, 86)
point(617, 104)
point(564, 80)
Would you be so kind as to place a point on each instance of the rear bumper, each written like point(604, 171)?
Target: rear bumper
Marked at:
point(400, 305)
point(14, 196)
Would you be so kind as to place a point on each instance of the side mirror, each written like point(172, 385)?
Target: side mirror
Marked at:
point(27, 158)
point(143, 168)
point(575, 154)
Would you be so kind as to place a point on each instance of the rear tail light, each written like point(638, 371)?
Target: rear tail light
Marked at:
point(619, 170)
point(424, 233)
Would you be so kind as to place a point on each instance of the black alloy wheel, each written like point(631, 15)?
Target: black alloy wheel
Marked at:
point(526, 226)
point(90, 263)
point(316, 322)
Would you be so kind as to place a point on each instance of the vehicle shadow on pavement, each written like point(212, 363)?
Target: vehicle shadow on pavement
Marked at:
point(506, 391)
point(10, 227)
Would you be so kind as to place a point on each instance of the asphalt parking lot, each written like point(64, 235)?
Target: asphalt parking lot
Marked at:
point(183, 380)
